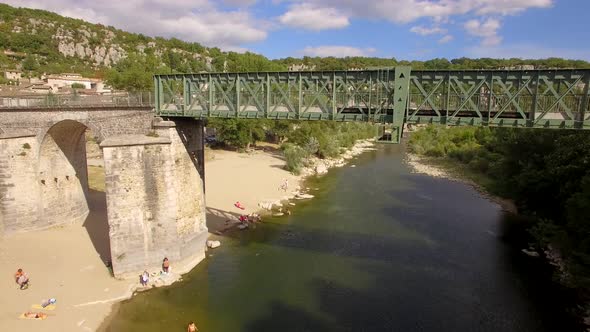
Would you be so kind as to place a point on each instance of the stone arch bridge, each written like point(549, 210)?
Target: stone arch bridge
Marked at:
point(153, 180)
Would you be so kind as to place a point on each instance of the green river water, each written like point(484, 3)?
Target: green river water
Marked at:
point(378, 249)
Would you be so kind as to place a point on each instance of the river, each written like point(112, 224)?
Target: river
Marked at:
point(378, 249)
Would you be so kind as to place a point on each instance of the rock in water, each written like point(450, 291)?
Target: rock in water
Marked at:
point(321, 169)
point(531, 253)
point(213, 244)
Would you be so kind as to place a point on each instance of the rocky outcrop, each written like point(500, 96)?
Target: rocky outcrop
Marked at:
point(96, 45)
point(80, 47)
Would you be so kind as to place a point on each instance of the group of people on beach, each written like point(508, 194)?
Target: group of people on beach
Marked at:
point(22, 280)
point(144, 278)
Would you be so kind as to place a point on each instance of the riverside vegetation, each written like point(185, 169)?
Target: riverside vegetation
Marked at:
point(299, 140)
point(545, 172)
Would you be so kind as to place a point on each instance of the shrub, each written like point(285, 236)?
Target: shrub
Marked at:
point(295, 157)
point(312, 146)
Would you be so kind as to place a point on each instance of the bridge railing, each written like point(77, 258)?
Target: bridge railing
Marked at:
point(135, 99)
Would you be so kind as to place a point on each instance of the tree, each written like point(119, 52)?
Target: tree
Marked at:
point(239, 133)
point(30, 63)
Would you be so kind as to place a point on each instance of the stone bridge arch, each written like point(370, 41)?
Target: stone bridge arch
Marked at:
point(63, 175)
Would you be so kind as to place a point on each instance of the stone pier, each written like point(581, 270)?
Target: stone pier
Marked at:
point(155, 199)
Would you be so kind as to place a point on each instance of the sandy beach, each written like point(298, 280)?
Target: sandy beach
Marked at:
point(250, 178)
point(68, 262)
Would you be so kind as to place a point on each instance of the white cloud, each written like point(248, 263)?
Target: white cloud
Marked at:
point(311, 17)
point(337, 51)
point(445, 39)
point(526, 51)
point(240, 3)
point(406, 11)
point(511, 7)
point(487, 30)
point(191, 20)
point(424, 31)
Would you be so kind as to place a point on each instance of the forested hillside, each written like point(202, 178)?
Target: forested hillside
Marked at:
point(39, 41)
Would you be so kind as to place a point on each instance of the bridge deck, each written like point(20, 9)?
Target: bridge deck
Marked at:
point(538, 98)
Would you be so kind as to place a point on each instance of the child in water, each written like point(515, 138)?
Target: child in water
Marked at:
point(191, 327)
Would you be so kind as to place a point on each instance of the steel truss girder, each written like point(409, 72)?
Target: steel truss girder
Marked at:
point(534, 98)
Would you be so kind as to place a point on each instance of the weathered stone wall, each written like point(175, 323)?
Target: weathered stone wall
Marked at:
point(63, 176)
point(155, 202)
point(19, 190)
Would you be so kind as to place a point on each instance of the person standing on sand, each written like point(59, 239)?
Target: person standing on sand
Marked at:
point(191, 327)
point(145, 278)
point(21, 279)
point(166, 265)
point(285, 185)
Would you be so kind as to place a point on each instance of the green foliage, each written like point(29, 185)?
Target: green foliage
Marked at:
point(30, 63)
point(294, 157)
point(78, 86)
point(239, 133)
point(325, 139)
point(132, 73)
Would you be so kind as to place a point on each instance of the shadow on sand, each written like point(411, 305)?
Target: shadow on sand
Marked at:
point(219, 221)
point(97, 224)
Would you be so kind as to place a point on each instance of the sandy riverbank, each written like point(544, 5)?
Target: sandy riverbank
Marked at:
point(68, 262)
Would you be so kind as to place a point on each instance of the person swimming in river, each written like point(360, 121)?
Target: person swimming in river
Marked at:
point(192, 327)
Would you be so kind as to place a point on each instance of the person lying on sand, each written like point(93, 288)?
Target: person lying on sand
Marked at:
point(21, 279)
point(36, 315)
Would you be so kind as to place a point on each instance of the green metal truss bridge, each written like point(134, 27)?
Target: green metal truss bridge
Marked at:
point(389, 97)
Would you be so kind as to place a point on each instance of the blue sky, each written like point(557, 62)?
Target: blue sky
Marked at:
point(404, 29)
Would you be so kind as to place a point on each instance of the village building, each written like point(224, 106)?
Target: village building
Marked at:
point(57, 82)
point(13, 75)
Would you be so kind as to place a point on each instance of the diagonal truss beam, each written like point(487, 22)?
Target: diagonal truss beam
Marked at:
point(518, 98)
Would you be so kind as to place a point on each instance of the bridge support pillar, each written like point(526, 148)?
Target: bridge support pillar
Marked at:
point(19, 187)
point(155, 200)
